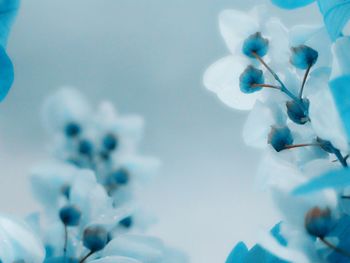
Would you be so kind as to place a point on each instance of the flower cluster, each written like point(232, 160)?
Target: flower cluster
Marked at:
point(282, 76)
point(86, 192)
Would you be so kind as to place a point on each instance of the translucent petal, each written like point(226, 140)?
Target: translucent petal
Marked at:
point(143, 248)
point(222, 78)
point(66, 105)
point(17, 242)
point(258, 125)
point(291, 4)
point(235, 35)
point(325, 121)
point(277, 33)
point(48, 179)
point(115, 259)
point(90, 197)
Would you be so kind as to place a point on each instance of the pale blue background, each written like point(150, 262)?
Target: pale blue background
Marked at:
point(148, 57)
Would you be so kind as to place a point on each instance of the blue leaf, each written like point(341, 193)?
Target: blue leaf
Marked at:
point(291, 4)
point(333, 179)
point(238, 254)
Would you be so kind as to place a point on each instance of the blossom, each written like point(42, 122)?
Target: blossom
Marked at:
point(254, 36)
point(8, 12)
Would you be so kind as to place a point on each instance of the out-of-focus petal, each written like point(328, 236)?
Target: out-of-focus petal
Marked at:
point(48, 179)
point(66, 105)
point(291, 4)
point(18, 242)
point(323, 112)
point(222, 78)
point(336, 13)
point(233, 34)
point(258, 125)
point(277, 33)
point(340, 80)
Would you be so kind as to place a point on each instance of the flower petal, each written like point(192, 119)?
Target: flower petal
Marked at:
point(222, 78)
point(235, 35)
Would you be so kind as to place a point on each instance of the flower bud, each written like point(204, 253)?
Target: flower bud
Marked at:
point(319, 222)
point(85, 147)
point(255, 43)
point(110, 142)
point(95, 237)
point(280, 137)
point(72, 129)
point(70, 215)
point(249, 77)
point(297, 113)
point(303, 57)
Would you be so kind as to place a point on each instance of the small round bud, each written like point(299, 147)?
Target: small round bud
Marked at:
point(110, 142)
point(280, 137)
point(255, 44)
point(303, 57)
point(127, 222)
point(95, 237)
point(249, 77)
point(72, 129)
point(319, 222)
point(85, 147)
point(70, 215)
point(120, 176)
point(296, 112)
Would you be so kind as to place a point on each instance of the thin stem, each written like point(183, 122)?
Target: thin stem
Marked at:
point(304, 81)
point(283, 87)
point(86, 256)
point(335, 248)
point(265, 86)
point(301, 145)
point(345, 197)
point(65, 241)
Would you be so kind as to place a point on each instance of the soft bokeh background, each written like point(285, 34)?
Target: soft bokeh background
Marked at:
point(148, 57)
